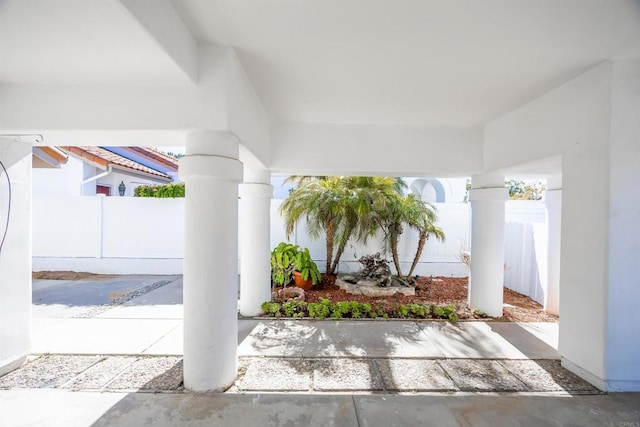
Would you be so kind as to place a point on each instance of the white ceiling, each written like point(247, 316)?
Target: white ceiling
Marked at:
point(424, 62)
point(79, 42)
point(418, 62)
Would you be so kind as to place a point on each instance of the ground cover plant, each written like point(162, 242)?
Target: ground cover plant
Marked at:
point(358, 310)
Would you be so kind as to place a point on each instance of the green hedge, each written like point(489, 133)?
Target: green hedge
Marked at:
point(162, 191)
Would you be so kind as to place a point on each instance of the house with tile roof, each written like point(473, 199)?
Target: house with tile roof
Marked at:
point(88, 171)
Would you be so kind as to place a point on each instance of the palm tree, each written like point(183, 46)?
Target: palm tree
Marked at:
point(365, 196)
point(421, 216)
point(342, 207)
point(415, 213)
point(321, 203)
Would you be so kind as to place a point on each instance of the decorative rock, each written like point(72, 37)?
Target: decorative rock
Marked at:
point(371, 288)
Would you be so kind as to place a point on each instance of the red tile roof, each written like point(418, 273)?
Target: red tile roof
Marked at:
point(104, 158)
point(157, 155)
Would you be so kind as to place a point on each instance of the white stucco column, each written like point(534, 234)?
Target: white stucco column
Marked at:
point(553, 204)
point(211, 172)
point(486, 279)
point(254, 230)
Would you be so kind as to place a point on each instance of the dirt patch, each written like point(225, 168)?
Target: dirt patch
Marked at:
point(440, 291)
point(63, 275)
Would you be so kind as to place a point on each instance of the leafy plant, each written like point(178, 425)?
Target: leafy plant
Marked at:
point(271, 308)
point(306, 266)
point(283, 263)
point(287, 258)
point(320, 310)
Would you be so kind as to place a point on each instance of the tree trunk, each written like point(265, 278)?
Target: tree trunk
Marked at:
point(394, 253)
point(336, 260)
point(416, 258)
point(330, 234)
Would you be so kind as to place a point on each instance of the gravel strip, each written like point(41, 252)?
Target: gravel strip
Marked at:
point(164, 373)
point(277, 375)
point(481, 375)
point(101, 373)
point(413, 375)
point(547, 375)
point(48, 371)
point(94, 311)
point(150, 373)
point(346, 375)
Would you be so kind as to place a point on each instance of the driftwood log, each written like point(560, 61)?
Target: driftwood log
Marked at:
point(375, 270)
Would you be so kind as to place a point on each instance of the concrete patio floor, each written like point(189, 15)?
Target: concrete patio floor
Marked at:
point(100, 362)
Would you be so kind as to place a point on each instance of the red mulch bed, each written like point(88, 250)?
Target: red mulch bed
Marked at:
point(439, 291)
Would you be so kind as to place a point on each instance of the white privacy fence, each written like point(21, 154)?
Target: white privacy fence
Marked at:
point(438, 258)
point(126, 235)
point(120, 235)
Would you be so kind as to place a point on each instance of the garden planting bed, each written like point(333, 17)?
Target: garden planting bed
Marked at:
point(439, 291)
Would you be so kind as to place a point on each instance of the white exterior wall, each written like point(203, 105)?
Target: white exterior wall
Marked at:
point(65, 180)
point(15, 258)
point(330, 149)
point(592, 122)
point(623, 322)
point(572, 120)
point(114, 179)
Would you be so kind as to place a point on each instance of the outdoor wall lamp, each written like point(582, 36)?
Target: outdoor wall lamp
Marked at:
point(121, 188)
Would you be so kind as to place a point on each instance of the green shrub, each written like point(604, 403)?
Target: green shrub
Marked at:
point(161, 191)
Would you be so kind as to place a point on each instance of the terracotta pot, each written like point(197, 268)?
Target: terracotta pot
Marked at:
point(300, 282)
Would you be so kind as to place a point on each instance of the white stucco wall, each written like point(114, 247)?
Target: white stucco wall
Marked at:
point(575, 121)
point(246, 116)
point(114, 179)
point(15, 258)
point(331, 149)
point(623, 322)
point(65, 180)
